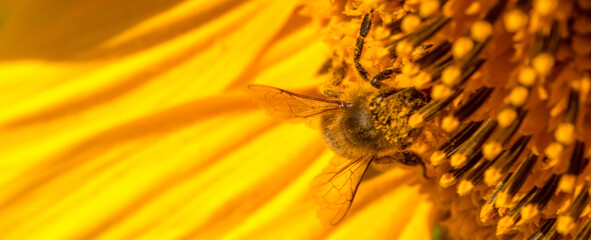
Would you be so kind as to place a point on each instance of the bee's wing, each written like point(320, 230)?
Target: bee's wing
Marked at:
point(284, 104)
point(335, 188)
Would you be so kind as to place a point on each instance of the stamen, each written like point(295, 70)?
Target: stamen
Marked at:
point(564, 133)
point(495, 11)
point(474, 143)
point(577, 163)
point(492, 175)
point(566, 223)
point(540, 199)
point(516, 210)
point(473, 103)
point(430, 110)
point(477, 174)
point(551, 41)
point(585, 232)
point(459, 173)
point(450, 146)
point(471, 69)
point(573, 107)
point(517, 179)
point(405, 45)
point(545, 231)
point(433, 56)
point(493, 148)
point(576, 166)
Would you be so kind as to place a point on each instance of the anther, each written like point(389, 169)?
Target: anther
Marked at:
point(451, 75)
point(404, 48)
point(567, 183)
point(422, 79)
point(447, 180)
point(515, 20)
point(428, 7)
point(565, 133)
point(527, 76)
point(491, 150)
point(506, 117)
point(543, 63)
point(440, 91)
point(458, 160)
point(480, 30)
point(450, 123)
point(504, 225)
point(461, 47)
point(545, 7)
point(487, 212)
point(464, 187)
point(410, 69)
point(518, 96)
point(554, 150)
point(410, 23)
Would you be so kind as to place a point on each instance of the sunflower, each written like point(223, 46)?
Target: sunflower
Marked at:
point(128, 119)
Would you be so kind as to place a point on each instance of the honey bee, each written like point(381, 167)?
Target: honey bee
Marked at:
point(367, 123)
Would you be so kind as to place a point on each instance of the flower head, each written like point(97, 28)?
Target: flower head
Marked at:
point(127, 119)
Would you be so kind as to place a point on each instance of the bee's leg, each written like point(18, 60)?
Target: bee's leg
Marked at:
point(412, 159)
point(407, 158)
point(375, 81)
point(365, 26)
point(333, 87)
point(325, 68)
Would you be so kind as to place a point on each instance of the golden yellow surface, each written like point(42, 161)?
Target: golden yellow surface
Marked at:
point(127, 120)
